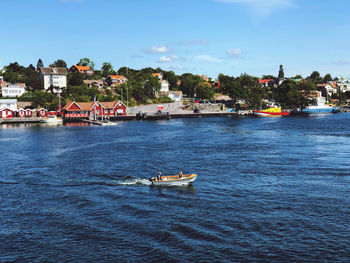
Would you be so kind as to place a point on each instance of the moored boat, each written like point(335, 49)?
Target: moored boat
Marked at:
point(174, 180)
point(271, 112)
point(320, 106)
point(52, 120)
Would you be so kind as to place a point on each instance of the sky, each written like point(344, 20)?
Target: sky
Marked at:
point(197, 36)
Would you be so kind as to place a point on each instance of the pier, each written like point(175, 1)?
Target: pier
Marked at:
point(20, 120)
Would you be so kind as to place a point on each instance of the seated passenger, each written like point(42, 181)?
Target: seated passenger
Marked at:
point(180, 174)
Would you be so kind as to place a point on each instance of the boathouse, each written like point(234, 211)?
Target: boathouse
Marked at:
point(24, 113)
point(83, 110)
point(42, 112)
point(6, 113)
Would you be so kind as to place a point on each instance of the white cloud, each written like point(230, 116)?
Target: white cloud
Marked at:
point(207, 58)
point(234, 53)
point(262, 8)
point(156, 49)
point(168, 58)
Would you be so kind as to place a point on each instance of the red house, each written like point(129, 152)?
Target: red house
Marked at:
point(89, 109)
point(78, 109)
point(42, 112)
point(24, 113)
point(113, 108)
point(6, 113)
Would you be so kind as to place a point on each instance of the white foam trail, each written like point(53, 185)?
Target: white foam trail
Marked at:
point(134, 181)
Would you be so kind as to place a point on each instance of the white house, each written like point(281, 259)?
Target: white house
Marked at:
point(344, 84)
point(12, 90)
point(175, 95)
point(164, 86)
point(9, 104)
point(54, 76)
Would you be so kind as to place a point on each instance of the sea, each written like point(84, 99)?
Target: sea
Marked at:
point(268, 190)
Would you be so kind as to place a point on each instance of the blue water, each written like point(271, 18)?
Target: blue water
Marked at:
point(268, 189)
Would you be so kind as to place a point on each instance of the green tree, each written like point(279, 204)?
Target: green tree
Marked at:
point(86, 62)
point(152, 87)
point(315, 77)
point(204, 91)
point(107, 69)
point(75, 79)
point(59, 63)
point(188, 83)
point(40, 64)
point(172, 79)
point(327, 78)
point(281, 72)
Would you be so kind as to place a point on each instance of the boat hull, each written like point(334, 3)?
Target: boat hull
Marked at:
point(271, 114)
point(320, 110)
point(175, 180)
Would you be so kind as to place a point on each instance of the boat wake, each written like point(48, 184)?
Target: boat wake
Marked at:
point(131, 180)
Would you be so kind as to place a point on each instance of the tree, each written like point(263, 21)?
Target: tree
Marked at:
point(315, 77)
point(86, 62)
point(172, 79)
point(306, 90)
point(59, 63)
point(281, 72)
point(268, 77)
point(152, 87)
point(327, 78)
point(40, 64)
point(188, 83)
point(107, 69)
point(254, 93)
point(232, 87)
point(75, 79)
point(204, 91)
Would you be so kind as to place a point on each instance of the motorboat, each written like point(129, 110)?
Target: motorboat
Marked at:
point(52, 119)
point(271, 112)
point(320, 106)
point(173, 180)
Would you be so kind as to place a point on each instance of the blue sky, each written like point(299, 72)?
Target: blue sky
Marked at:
point(197, 36)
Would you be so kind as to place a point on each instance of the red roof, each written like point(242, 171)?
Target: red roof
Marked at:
point(263, 81)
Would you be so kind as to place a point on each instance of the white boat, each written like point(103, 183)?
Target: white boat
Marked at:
point(174, 180)
point(320, 106)
point(52, 120)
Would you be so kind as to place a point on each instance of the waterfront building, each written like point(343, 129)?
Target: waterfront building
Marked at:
point(12, 90)
point(6, 113)
point(78, 110)
point(10, 104)
point(81, 69)
point(24, 112)
point(42, 112)
point(116, 80)
point(54, 77)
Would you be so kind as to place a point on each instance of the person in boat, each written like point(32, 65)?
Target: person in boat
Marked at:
point(159, 176)
point(180, 175)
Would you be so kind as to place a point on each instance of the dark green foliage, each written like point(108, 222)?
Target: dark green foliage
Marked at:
point(189, 82)
point(172, 79)
point(107, 69)
point(281, 72)
point(327, 78)
point(204, 91)
point(86, 62)
point(59, 63)
point(39, 65)
point(75, 79)
point(315, 77)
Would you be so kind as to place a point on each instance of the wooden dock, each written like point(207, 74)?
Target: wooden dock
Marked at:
point(20, 120)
